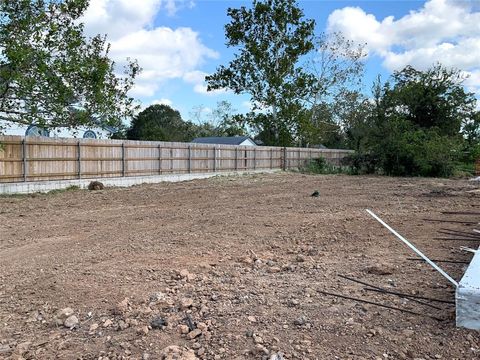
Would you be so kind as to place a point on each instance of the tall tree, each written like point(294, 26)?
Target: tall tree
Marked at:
point(270, 38)
point(435, 98)
point(51, 74)
point(224, 119)
point(337, 65)
point(415, 127)
point(160, 123)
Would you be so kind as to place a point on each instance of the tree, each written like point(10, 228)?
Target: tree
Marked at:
point(160, 123)
point(224, 120)
point(51, 74)
point(220, 121)
point(471, 134)
point(415, 125)
point(333, 100)
point(271, 37)
point(434, 98)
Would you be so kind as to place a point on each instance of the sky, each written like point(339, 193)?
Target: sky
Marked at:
point(178, 42)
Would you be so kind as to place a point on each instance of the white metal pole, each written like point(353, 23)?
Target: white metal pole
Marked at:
point(418, 252)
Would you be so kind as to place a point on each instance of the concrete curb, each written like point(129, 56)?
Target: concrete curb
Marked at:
point(45, 186)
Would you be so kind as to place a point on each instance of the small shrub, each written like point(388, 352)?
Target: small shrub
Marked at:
point(322, 166)
point(96, 185)
point(59, 191)
point(361, 163)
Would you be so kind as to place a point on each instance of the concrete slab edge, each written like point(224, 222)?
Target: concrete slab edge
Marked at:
point(467, 296)
point(46, 186)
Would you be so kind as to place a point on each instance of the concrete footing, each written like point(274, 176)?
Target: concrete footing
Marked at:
point(468, 296)
point(45, 186)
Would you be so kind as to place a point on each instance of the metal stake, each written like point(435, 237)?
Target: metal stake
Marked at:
point(456, 239)
point(444, 261)
point(451, 221)
point(379, 304)
point(386, 291)
point(410, 296)
point(459, 233)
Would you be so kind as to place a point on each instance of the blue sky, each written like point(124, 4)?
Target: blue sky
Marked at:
point(178, 42)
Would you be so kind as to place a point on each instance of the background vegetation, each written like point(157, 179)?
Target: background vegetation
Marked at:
point(306, 90)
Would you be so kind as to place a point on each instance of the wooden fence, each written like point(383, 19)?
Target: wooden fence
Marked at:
point(37, 158)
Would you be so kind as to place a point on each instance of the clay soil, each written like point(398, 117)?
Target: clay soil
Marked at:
point(255, 252)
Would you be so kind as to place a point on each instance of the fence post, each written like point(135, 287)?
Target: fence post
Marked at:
point(236, 158)
point(171, 159)
point(159, 159)
point(24, 159)
point(214, 159)
point(79, 159)
point(254, 158)
point(123, 160)
point(271, 158)
point(284, 158)
point(189, 159)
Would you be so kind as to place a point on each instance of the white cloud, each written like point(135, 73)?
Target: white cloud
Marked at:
point(247, 105)
point(444, 31)
point(163, 53)
point(119, 17)
point(162, 101)
point(359, 26)
point(197, 78)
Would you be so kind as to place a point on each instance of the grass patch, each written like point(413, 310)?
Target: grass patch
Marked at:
point(67, 189)
point(35, 194)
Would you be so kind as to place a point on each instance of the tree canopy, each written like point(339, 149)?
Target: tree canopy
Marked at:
point(51, 74)
point(417, 123)
point(270, 37)
point(160, 122)
point(163, 123)
point(434, 98)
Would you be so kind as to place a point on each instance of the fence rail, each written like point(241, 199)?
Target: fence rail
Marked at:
point(25, 159)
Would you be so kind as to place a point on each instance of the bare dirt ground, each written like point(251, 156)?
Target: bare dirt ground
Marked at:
point(240, 260)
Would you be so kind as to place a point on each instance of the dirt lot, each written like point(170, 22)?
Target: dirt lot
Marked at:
point(243, 258)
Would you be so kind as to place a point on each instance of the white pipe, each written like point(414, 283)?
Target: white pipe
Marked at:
point(477, 231)
point(418, 252)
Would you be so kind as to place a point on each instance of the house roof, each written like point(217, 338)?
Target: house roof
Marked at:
point(223, 140)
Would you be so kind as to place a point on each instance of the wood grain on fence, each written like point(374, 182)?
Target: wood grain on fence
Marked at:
point(37, 158)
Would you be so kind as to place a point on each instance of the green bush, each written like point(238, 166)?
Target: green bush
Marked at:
point(322, 166)
point(420, 153)
point(361, 163)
